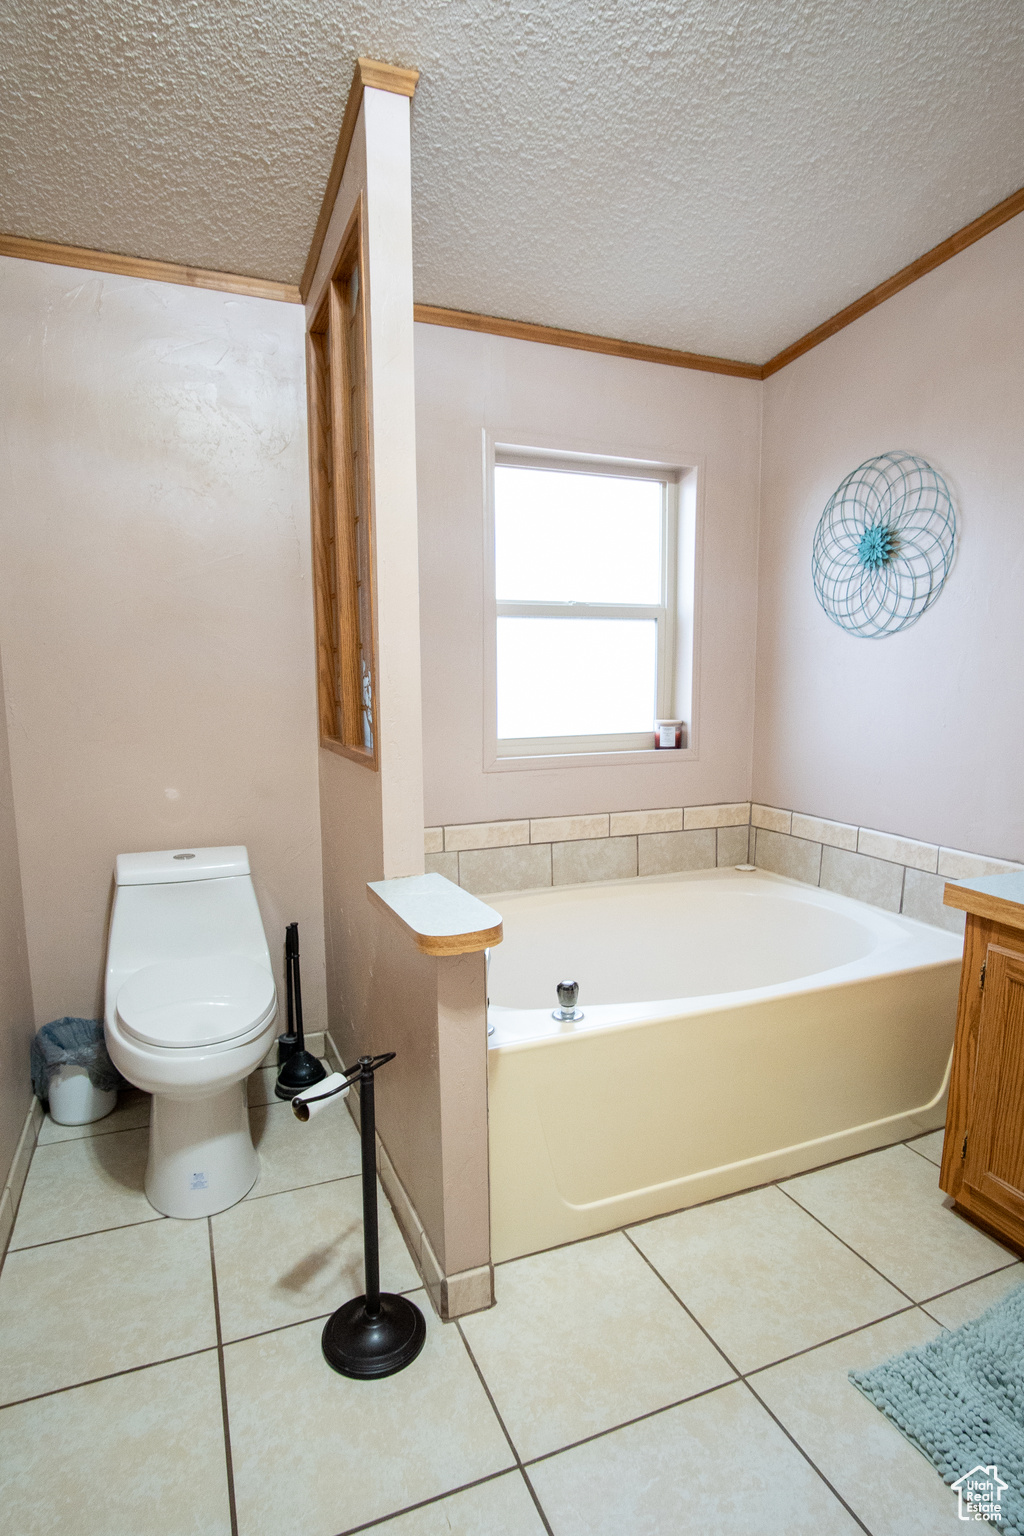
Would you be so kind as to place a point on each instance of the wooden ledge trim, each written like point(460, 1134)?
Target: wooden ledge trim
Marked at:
point(442, 918)
point(382, 77)
point(1000, 898)
point(139, 266)
point(976, 230)
point(581, 341)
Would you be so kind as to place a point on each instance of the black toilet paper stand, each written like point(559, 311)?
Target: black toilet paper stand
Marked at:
point(378, 1333)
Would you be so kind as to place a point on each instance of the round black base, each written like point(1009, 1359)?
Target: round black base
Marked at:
point(355, 1344)
point(300, 1071)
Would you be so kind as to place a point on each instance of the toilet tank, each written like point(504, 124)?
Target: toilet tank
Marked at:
point(179, 905)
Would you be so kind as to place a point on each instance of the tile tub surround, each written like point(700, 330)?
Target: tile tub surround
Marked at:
point(897, 873)
point(720, 1401)
point(489, 856)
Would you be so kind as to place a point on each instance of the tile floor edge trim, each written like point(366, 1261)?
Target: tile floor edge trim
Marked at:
point(451, 1295)
point(590, 853)
point(18, 1173)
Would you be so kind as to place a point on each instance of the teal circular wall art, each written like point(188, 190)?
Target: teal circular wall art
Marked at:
point(884, 545)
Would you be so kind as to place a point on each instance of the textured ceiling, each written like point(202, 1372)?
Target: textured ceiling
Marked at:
point(718, 175)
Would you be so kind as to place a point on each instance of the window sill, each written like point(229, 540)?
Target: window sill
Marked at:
point(627, 758)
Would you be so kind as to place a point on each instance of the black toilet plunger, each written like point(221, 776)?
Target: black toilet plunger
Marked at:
point(299, 1068)
point(376, 1334)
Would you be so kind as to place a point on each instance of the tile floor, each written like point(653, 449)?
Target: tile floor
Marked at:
point(685, 1375)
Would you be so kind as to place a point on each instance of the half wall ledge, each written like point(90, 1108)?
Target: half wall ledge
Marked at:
point(442, 918)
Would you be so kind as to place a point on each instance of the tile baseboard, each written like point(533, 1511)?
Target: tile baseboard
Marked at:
point(11, 1197)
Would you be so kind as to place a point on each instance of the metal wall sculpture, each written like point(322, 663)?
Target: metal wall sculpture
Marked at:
point(884, 545)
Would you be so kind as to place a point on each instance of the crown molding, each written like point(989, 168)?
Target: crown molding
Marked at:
point(381, 77)
point(403, 82)
point(976, 230)
point(139, 266)
point(522, 330)
point(581, 341)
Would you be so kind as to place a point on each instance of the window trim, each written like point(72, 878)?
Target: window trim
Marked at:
point(678, 632)
point(337, 390)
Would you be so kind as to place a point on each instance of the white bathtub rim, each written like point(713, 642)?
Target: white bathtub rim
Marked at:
point(666, 1011)
point(907, 947)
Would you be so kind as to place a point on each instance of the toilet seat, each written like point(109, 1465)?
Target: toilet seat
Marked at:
point(179, 1004)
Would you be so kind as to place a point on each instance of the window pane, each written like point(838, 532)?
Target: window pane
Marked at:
point(563, 537)
point(576, 677)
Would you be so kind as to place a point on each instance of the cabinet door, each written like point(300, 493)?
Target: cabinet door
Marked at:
point(994, 1165)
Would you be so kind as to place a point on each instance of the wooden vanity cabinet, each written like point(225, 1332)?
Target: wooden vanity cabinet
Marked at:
point(983, 1152)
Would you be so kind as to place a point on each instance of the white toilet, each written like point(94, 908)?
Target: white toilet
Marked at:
point(189, 1013)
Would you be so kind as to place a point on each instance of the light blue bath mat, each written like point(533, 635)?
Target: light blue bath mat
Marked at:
point(960, 1400)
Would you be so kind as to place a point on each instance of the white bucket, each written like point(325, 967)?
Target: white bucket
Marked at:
point(75, 1101)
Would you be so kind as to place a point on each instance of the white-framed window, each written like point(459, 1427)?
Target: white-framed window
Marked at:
point(593, 599)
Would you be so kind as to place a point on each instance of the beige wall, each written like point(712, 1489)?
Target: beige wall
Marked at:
point(921, 733)
point(16, 1026)
point(155, 603)
point(537, 395)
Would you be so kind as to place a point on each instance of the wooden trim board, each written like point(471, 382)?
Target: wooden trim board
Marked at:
point(382, 77)
point(403, 82)
point(581, 341)
point(976, 230)
point(521, 330)
point(140, 266)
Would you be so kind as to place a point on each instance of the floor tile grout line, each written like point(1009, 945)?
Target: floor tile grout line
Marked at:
point(229, 1464)
point(849, 1247)
point(676, 1296)
point(73, 1141)
point(640, 1418)
point(292, 1189)
point(742, 1377)
point(1014, 1258)
point(999, 1270)
point(66, 1141)
point(299, 1322)
point(92, 1381)
point(146, 1221)
point(809, 1460)
point(73, 1237)
point(504, 1429)
point(437, 1498)
point(682, 1402)
point(834, 1338)
point(911, 1148)
point(783, 1359)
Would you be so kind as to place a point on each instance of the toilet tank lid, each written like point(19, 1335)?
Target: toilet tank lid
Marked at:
point(177, 864)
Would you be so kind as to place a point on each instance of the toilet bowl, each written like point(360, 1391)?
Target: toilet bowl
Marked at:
point(189, 1013)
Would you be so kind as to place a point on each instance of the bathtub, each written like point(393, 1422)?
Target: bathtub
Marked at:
point(738, 1027)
